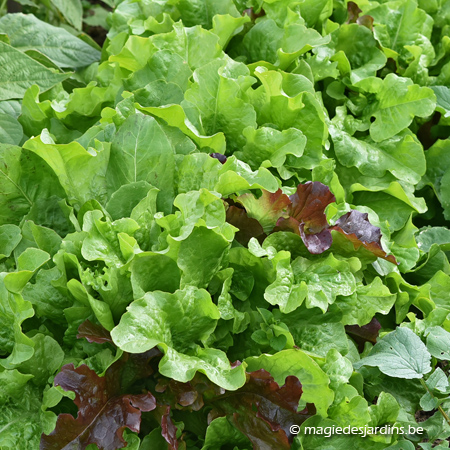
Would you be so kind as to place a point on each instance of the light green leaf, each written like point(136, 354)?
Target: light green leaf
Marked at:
point(402, 155)
point(13, 311)
point(177, 323)
point(202, 12)
point(398, 102)
point(360, 307)
point(217, 94)
point(220, 432)
point(142, 151)
point(73, 166)
point(10, 236)
point(400, 354)
point(402, 23)
point(175, 116)
point(106, 240)
point(27, 264)
point(269, 147)
point(46, 360)
point(283, 292)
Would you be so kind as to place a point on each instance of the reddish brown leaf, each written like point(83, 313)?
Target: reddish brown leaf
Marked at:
point(264, 411)
point(366, 333)
point(188, 395)
point(247, 226)
point(308, 205)
point(357, 229)
point(102, 416)
point(168, 429)
point(365, 21)
point(93, 332)
point(307, 216)
point(353, 11)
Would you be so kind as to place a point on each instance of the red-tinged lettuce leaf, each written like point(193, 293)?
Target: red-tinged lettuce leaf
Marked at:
point(103, 414)
point(357, 229)
point(93, 333)
point(263, 411)
point(307, 216)
point(266, 209)
point(366, 333)
point(219, 156)
point(168, 429)
point(354, 16)
point(353, 11)
point(190, 395)
point(248, 227)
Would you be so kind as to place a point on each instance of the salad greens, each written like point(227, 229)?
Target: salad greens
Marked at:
point(225, 227)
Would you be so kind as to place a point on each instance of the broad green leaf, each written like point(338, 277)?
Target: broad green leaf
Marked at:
point(18, 72)
point(13, 311)
point(175, 116)
point(433, 235)
point(398, 101)
point(314, 11)
point(72, 10)
point(368, 300)
point(438, 341)
point(65, 50)
point(443, 99)
point(46, 298)
point(226, 26)
point(400, 354)
point(217, 94)
point(315, 383)
point(20, 193)
point(316, 332)
point(325, 279)
point(154, 272)
point(162, 65)
point(266, 41)
point(73, 165)
point(402, 155)
point(403, 23)
point(27, 264)
point(142, 151)
point(177, 323)
point(107, 241)
point(10, 236)
point(283, 292)
point(11, 131)
point(195, 45)
point(299, 110)
point(220, 432)
point(269, 147)
point(360, 47)
point(46, 360)
point(201, 12)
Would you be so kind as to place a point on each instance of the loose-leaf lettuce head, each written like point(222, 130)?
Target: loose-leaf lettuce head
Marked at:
point(177, 323)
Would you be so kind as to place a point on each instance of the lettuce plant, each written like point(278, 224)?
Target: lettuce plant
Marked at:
point(227, 227)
